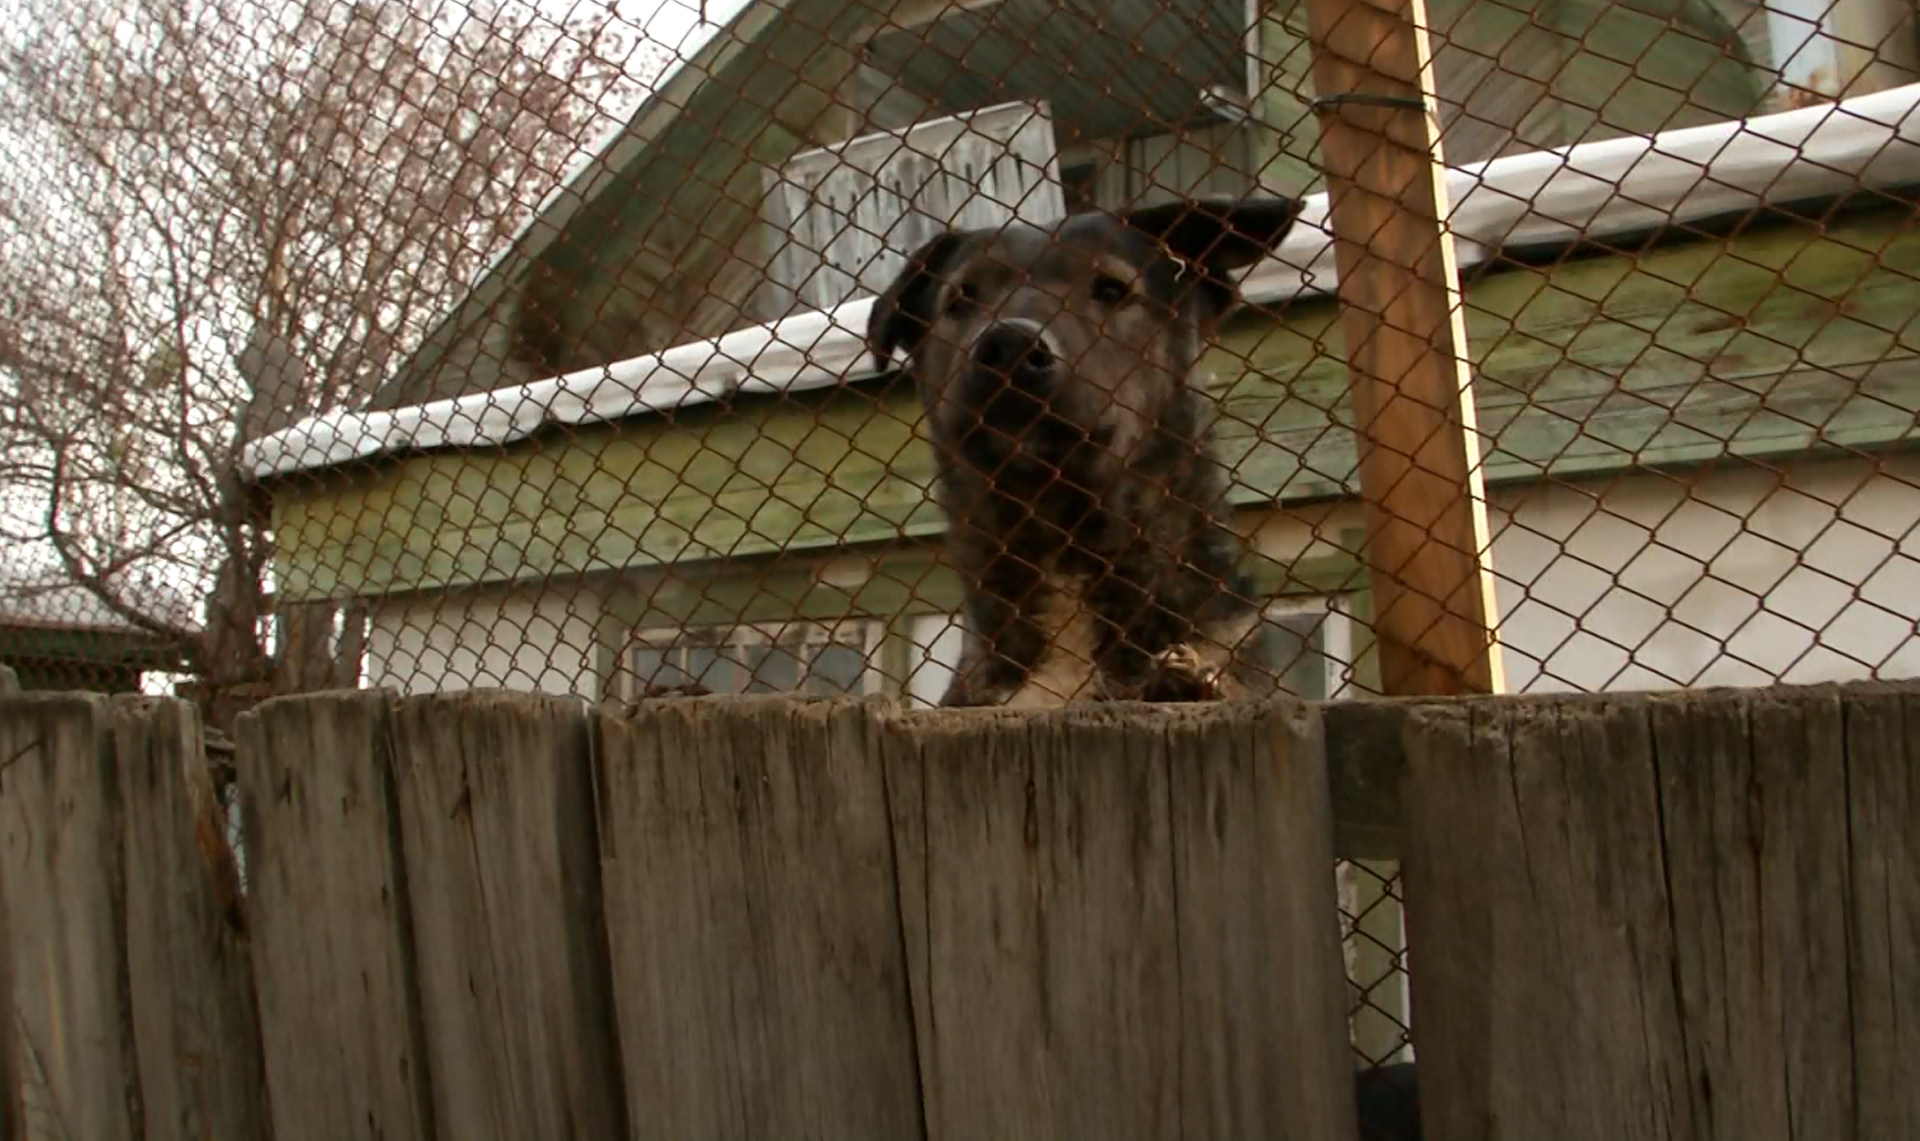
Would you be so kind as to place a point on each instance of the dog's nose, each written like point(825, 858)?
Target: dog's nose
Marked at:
point(1018, 351)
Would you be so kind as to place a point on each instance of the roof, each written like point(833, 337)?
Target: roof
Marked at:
point(672, 94)
point(44, 601)
point(1590, 191)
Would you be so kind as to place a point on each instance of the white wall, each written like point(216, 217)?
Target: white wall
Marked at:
point(536, 637)
point(1741, 577)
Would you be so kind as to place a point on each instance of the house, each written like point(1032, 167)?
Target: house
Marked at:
point(639, 453)
point(57, 635)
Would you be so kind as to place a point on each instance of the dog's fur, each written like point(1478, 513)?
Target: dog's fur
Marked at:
point(1086, 514)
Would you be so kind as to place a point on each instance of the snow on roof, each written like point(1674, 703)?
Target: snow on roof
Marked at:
point(48, 601)
point(1594, 190)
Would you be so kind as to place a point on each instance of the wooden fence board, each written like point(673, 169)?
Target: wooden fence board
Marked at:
point(12, 1080)
point(1112, 921)
point(1754, 805)
point(196, 1028)
point(333, 967)
point(1675, 916)
point(1883, 782)
point(757, 959)
point(65, 898)
point(1535, 905)
point(503, 873)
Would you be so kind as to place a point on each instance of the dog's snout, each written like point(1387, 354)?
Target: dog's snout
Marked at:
point(1017, 350)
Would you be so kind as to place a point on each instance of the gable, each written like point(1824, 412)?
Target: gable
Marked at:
point(666, 241)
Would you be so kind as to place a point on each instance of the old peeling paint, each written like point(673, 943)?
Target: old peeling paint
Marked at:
point(1765, 344)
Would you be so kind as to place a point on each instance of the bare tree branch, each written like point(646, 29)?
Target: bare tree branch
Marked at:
point(237, 213)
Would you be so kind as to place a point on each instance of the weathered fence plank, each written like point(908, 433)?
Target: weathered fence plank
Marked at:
point(12, 1088)
point(195, 1026)
point(1883, 783)
point(496, 804)
point(1755, 805)
point(757, 959)
point(1644, 916)
point(333, 967)
point(1536, 915)
point(1121, 923)
point(64, 889)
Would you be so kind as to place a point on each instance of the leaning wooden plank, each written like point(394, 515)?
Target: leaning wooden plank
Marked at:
point(750, 900)
point(1537, 920)
point(1121, 922)
point(1404, 325)
point(196, 1029)
point(339, 1008)
point(496, 804)
point(1883, 788)
point(64, 892)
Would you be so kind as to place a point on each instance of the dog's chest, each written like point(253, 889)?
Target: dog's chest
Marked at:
point(1065, 671)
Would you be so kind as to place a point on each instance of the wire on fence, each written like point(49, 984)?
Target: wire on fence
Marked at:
point(1010, 351)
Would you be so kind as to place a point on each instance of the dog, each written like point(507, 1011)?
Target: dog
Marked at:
point(1086, 514)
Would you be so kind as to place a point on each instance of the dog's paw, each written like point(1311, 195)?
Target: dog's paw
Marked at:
point(1182, 663)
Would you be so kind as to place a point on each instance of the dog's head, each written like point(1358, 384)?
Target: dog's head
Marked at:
point(1091, 326)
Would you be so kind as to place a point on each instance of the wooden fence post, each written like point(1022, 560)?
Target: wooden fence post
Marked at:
point(194, 1021)
point(332, 938)
point(1676, 917)
point(63, 884)
point(751, 903)
point(12, 1127)
point(1428, 543)
point(503, 871)
point(1121, 924)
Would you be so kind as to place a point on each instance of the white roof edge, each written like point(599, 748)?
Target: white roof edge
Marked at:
point(1613, 187)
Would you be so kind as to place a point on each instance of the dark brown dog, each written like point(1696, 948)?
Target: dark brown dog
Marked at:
point(1085, 511)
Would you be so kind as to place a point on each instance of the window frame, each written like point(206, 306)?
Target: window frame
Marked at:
point(1333, 637)
point(869, 637)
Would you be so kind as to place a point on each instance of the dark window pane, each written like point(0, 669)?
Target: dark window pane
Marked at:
point(705, 665)
point(657, 666)
point(837, 669)
point(775, 670)
point(1290, 649)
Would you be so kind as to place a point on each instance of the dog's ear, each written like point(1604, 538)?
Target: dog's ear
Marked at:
point(903, 314)
point(1212, 237)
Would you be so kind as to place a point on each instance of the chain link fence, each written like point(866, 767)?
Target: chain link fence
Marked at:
point(616, 350)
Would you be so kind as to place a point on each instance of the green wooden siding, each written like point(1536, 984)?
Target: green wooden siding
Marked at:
point(1764, 344)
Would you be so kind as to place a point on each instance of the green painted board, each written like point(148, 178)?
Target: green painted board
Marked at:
point(1766, 344)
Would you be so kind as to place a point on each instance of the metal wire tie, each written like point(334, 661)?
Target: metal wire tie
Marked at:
point(1398, 102)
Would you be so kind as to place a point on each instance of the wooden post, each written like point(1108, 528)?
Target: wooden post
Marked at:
point(1427, 543)
point(327, 900)
point(194, 1024)
point(63, 891)
point(1680, 916)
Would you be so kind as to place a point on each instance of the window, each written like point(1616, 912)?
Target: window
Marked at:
point(937, 642)
point(828, 659)
point(1308, 644)
point(1078, 186)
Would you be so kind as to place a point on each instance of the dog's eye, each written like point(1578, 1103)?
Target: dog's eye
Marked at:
point(1111, 291)
point(962, 300)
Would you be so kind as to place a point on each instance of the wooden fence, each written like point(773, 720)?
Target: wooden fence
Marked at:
point(486, 916)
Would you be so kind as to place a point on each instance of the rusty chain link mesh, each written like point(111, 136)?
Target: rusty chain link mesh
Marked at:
point(496, 344)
